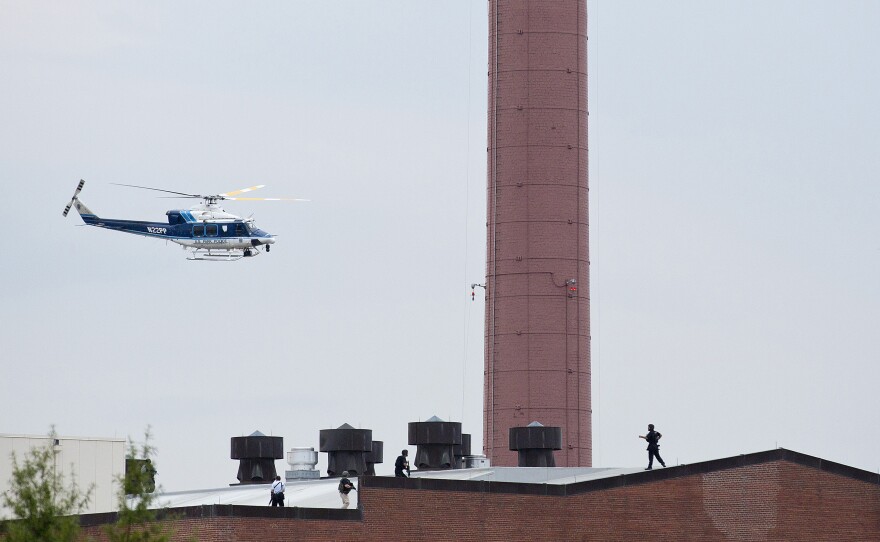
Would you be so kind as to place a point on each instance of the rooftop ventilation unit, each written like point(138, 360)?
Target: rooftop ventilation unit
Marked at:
point(436, 440)
point(346, 449)
point(302, 463)
point(256, 454)
point(535, 444)
point(375, 456)
point(460, 451)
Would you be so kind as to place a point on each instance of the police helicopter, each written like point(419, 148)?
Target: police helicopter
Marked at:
point(205, 230)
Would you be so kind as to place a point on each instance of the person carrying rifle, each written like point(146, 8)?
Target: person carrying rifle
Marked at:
point(345, 487)
point(402, 464)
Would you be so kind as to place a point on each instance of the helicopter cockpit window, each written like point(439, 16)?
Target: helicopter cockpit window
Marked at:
point(198, 231)
point(240, 230)
point(211, 230)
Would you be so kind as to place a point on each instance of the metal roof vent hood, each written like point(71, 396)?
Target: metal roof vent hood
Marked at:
point(256, 454)
point(346, 449)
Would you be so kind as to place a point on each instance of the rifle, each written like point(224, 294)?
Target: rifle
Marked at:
point(342, 486)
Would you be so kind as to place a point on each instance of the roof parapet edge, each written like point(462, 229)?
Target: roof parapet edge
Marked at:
point(622, 480)
point(232, 510)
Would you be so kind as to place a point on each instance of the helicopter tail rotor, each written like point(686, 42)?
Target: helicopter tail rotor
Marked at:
point(73, 199)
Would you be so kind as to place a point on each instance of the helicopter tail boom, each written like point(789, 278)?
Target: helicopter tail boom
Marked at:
point(84, 212)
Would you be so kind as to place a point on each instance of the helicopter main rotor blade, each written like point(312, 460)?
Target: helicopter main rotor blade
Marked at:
point(161, 190)
point(213, 198)
point(228, 195)
point(268, 199)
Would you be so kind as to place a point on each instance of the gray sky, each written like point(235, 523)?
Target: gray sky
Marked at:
point(735, 246)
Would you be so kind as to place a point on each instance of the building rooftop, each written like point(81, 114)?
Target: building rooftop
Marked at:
point(302, 493)
point(322, 493)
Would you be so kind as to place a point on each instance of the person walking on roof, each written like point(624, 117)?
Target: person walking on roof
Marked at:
point(402, 464)
point(277, 492)
point(653, 438)
point(345, 487)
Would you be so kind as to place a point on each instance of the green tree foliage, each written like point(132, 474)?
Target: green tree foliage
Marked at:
point(138, 520)
point(41, 501)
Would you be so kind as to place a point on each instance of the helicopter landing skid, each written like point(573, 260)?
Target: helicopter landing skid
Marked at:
point(216, 255)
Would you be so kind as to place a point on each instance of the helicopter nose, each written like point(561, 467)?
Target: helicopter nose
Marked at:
point(262, 241)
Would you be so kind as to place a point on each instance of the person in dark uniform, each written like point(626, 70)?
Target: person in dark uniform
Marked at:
point(402, 464)
point(653, 438)
point(345, 487)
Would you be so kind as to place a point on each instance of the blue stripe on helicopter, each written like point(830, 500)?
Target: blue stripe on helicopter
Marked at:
point(123, 229)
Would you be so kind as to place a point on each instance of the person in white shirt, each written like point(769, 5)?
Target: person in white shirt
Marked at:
point(277, 495)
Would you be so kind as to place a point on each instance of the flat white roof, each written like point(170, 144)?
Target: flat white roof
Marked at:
point(323, 493)
point(305, 493)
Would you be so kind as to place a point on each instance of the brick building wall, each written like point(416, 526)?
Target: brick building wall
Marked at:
point(229, 523)
point(774, 501)
point(778, 495)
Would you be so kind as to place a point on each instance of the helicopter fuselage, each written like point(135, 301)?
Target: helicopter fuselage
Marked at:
point(219, 234)
point(185, 229)
point(206, 230)
point(210, 233)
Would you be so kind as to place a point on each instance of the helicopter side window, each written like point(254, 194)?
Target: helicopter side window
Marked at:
point(240, 230)
point(198, 231)
point(211, 230)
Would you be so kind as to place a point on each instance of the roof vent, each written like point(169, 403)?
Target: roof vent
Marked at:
point(302, 463)
point(256, 454)
point(535, 444)
point(346, 449)
point(460, 451)
point(375, 456)
point(436, 440)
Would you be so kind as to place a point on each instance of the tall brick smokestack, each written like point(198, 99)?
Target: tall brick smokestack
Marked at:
point(537, 360)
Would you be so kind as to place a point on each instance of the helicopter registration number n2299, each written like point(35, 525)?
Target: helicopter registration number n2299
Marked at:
point(205, 230)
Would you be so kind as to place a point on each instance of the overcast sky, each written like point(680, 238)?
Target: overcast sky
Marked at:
point(734, 215)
